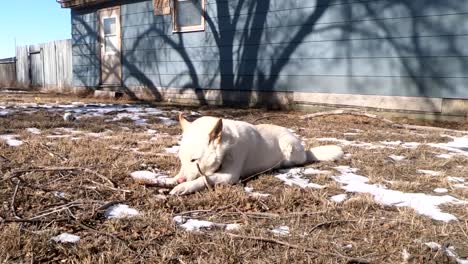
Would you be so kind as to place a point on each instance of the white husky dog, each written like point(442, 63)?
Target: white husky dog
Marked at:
point(220, 151)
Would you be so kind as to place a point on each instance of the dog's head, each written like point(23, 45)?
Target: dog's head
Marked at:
point(200, 150)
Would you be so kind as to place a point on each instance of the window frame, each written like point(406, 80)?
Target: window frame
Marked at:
point(113, 50)
point(177, 29)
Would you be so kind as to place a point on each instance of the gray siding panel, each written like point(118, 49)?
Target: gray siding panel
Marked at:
point(381, 47)
point(85, 58)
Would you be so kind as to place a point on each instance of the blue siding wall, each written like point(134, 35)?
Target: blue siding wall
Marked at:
point(378, 47)
point(85, 59)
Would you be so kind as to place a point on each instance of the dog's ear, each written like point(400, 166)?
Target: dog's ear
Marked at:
point(217, 131)
point(183, 122)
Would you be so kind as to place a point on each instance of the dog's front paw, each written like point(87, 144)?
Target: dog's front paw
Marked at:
point(184, 188)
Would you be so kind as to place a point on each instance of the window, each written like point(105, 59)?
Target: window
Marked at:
point(110, 35)
point(188, 15)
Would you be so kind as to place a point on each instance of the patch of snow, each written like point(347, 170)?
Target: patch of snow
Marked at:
point(391, 143)
point(348, 246)
point(445, 156)
point(151, 131)
point(440, 190)
point(173, 149)
point(33, 130)
point(148, 176)
point(11, 140)
point(429, 172)
point(411, 145)
point(190, 224)
point(294, 176)
point(455, 179)
point(58, 136)
point(281, 230)
point(250, 191)
point(397, 158)
point(460, 185)
point(339, 198)
point(66, 238)
point(232, 227)
point(4, 112)
point(405, 255)
point(58, 194)
point(459, 145)
point(167, 121)
point(422, 203)
point(160, 197)
point(119, 211)
point(141, 122)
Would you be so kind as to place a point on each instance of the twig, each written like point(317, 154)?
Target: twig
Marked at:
point(205, 210)
point(347, 112)
point(51, 152)
point(12, 205)
point(266, 117)
point(109, 187)
point(328, 223)
point(7, 220)
point(5, 158)
point(101, 176)
point(56, 210)
point(18, 173)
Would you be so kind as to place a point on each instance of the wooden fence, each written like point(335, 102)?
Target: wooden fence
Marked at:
point(46, 65)
point(7, 73)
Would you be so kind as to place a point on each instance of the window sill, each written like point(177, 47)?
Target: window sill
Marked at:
point(189, 29)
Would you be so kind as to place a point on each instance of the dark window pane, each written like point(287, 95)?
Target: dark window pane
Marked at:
point(188, 13)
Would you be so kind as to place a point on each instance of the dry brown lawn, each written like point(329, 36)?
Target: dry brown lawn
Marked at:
point(51, 185)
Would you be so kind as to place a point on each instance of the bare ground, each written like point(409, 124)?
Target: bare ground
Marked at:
point(64, 184)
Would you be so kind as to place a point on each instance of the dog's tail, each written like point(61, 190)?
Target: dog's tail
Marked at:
point(325, 153)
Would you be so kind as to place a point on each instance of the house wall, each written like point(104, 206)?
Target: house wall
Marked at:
point(408, 48)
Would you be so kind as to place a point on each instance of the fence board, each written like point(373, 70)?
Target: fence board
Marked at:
point(7, 74)
point(22, 66)
point(36, 64)
point(64, 63)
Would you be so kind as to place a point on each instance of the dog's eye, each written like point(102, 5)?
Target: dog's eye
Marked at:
point(193, 160)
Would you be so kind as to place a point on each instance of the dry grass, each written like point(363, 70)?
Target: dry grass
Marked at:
point(93, 171)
